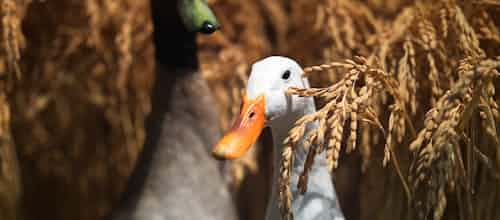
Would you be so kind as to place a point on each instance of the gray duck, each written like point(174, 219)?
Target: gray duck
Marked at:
point(175, 176)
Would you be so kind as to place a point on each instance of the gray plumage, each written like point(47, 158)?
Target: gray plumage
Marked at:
point(179, 178)
point(175, 176)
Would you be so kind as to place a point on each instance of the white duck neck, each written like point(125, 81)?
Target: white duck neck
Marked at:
point(279, 130)
point(309, 205)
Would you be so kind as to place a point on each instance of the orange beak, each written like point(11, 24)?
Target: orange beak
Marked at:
point(244, 132)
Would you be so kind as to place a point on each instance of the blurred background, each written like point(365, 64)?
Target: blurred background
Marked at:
point(76, 76)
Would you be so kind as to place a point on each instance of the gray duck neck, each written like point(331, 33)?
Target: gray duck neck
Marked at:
point(176, 64)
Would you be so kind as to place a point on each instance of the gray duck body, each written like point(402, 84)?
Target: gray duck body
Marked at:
point(175, 176)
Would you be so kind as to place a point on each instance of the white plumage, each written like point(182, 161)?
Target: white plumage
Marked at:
point(269, 78)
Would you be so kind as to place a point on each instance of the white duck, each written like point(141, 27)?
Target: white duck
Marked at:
point(267, 105)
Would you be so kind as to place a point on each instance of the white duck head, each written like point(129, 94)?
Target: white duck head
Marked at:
point(266, 104)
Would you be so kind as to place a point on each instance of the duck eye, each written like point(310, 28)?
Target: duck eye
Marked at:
point(286, 75)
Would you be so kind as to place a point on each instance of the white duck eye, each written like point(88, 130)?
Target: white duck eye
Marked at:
point(286, 75)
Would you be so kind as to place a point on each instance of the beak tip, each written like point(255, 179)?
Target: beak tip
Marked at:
point(218, 154)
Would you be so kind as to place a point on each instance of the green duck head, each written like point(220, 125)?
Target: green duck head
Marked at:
point(197, 16)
